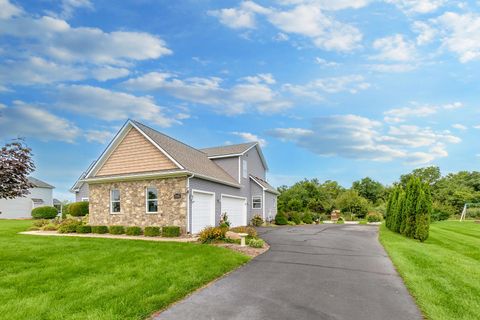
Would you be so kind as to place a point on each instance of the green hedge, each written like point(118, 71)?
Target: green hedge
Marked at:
point(46, 212)
point(133, 231)
point(151, 231)
point(84, 229)
point(78, 209)
point(69, 226)
point(116, 230)
point(307, 218)
point(170, 231)
point(100, 229)
point(281, 219)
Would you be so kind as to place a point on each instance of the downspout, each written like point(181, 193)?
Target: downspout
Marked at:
point(263, 203)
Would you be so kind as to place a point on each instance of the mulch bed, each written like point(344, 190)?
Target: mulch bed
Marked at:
point(249, 251)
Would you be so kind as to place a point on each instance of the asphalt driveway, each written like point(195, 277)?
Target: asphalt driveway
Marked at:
point(310, 272)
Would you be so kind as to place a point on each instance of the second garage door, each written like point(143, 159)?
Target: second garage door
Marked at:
point(236, 209)
point(203, 210)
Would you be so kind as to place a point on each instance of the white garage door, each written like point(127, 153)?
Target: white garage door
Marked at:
point(236, 209)
point(203, 210)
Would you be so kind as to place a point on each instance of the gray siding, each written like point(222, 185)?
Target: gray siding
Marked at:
point(230, 165)
point(270, 206)
point(256, 190)
point(82, 192)
point(254, 163)
point(21, 207)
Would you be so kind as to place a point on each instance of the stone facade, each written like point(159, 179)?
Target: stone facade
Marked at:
point(171, 211)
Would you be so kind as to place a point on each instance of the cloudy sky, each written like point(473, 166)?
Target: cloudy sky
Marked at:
point(332, 89)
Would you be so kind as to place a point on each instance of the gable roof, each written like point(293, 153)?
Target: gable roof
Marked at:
point(79, 183)
point(265, 185)
point(39, 183)
point(187, 158)
point(234, 150)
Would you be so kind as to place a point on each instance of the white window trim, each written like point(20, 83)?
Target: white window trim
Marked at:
point(119, 201)
point(245, 169)
point(146, 200)
point(85, 199)
point(261, 202)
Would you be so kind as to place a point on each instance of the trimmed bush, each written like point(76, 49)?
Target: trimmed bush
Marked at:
point(69, 226)
point(151, 231)
point(374, 217)
point(116, 230)
point(100, 229)
point(280, 219)
point(84, 229)
point(257, 220)
point(296, 217)
point(249, 230)
point(256, 243)
point(210, 234)
point(170, 231)
point(133, 231)
point(45, 212)
point(307, 218)
point(78, 209)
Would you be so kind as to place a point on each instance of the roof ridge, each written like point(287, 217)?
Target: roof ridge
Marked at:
point(230, 145)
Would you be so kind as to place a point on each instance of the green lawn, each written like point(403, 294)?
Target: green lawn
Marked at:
point(443, 273)
point(84, 278)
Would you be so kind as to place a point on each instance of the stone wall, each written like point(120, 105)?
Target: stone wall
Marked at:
point(172, 212)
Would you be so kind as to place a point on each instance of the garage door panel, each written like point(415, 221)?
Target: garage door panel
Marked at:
point(203, 211)
point(236, 209)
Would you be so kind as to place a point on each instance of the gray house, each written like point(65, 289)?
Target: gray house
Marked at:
point(147, 178)
point(20, 208)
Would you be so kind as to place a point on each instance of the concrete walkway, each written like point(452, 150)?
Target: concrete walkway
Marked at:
point(310, 272)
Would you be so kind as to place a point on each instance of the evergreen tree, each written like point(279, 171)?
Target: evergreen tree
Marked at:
point(423, 211)
point(391, 208)
point(400, 212)
point(413, 192)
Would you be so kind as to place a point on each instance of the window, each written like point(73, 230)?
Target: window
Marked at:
point(245, 170)
point(152, 200)
point(85, 199)
point(257, 202)
point(115, 201)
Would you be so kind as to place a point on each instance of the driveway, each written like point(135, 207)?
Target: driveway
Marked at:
point(310, 272)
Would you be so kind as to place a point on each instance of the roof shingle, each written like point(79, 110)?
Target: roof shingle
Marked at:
point(39, 183)
point(229, 149)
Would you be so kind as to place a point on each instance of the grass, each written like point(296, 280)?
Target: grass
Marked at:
point(85, 278)
point(443, 273)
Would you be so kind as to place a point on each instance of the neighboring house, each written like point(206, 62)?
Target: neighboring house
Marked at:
point(80, 188)
point(20, 208)
point(147, 178)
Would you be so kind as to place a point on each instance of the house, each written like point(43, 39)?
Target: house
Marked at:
point(20, 208)
point(146, 178)
point(80, 188)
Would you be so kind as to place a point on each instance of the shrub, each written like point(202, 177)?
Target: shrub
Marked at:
point(422, 219)
point(256, 243)
point(69, 226)
point(442, 212)
point(45, 212)
point(40, 223)
point(340, 221)
point(116, 230)
point(296, 217)
point(78, 209)
point(249, 230)
point(257, 220)
point(210, 234)
point(324, 217)
point(374, 217)
point(224, 220)
point(291, 223)
point(307, 218)
point(133, 231)
point(50, 227)
point(65, 211)
point(100, 229)
point(170, 231)
point(151, 231)
point(280, 219)
point(363, 222)
point(84, 229)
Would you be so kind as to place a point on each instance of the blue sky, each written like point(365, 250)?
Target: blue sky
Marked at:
point(332, 89)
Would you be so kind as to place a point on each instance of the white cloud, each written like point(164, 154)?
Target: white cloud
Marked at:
point(99, 136)
point(392, 67)
point(394, 48)
point(250, 137)
point(56, 39)
point(417, 6)
point(398, 115)
point(326, 63)
point(453, 106)
point(8, 10)
point(23, 120)
point(111, 105)
point(350, 83)
point(426, 33)
point(331, 5)
point(108, 73)
point(324, 31)
point(357, 137)
point(459, 126)
point(252, 92)
point(69, 6)
point(477, 127)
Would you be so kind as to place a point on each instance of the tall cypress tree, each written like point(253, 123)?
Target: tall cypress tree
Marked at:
point(389, 211)
point(423, 211)
point(413, 192)
point(400, 212)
